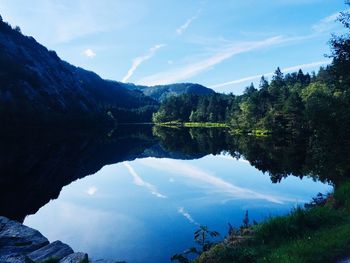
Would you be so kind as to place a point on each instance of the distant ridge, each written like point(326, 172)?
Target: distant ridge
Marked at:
point(162, 92)
point(38, 88)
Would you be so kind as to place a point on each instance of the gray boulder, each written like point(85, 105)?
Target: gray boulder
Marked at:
point(106, 261)
point(77, 257)
point(3, 221)
point(15, 259)
point(17, 239)
point(57, 250)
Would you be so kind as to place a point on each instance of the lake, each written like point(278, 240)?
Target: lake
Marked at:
point(138, 193)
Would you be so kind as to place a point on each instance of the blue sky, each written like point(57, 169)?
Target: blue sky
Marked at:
point(222, 44)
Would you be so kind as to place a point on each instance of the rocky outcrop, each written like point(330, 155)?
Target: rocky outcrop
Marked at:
point(56, 250)
point(75, 257)
point(22, 244)
point(17, 239)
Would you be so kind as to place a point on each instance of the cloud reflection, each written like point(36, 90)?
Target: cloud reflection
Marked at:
point(92, 190)
point(216, 183)
point(187, 215)
point(140, 182)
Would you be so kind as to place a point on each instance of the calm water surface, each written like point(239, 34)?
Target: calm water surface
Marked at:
point(147, 209)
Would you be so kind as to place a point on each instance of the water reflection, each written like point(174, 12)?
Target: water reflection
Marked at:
point(149, 187)
point(151, 217)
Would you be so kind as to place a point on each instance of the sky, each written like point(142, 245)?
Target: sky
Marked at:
point(224, 45)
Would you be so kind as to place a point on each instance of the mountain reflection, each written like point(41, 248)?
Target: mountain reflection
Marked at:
point(35, 164)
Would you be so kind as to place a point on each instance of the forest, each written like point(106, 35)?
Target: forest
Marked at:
point(290, 103)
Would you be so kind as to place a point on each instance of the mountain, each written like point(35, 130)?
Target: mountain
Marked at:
point(162, 92)
point(37, 87)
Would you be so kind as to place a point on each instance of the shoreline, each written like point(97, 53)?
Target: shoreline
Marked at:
point(320, 232)
point(22, 244)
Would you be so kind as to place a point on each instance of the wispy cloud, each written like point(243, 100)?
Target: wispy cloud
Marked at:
point(286, 70)
point(215, 57)
point(139, 60)
point(215, 183)
point(89, 53)
point(180, 30)
point(307, 66)
point(327, 23)
point(140, 182)
point(187, 215)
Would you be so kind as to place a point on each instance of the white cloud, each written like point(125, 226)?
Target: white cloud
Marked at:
point(216, 56)
point(180, 30)
point(139, 60)
point(89, 53)
point(216, 184)
point(327, 23)
point(187, 215)
point(92, 190)
point(140, 182)
point(306, 66)
point(285, 70)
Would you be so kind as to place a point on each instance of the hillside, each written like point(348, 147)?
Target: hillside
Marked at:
point(37, 87)
point(162, 92)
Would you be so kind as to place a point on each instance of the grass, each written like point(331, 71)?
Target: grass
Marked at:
point(205, 125)
point(234, 131)
point(317, 234)
point(253, 132)
point(323, 245)
point(193, 124)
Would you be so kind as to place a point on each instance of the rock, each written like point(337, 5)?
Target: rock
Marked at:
point(77, 257)
point(15, 259)
point(106, 261)
point(56, 250)
point(22, 244)
point(17, 239)
point(347, 260)
point(3, 221)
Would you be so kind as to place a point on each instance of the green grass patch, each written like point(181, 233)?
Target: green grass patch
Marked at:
point(297, 224)
point(316, 234)
point(253, 132)
point(193, 124)
point(324, 245)
point(205, 125)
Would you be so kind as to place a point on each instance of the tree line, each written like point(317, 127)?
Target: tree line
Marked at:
point(293, 103)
